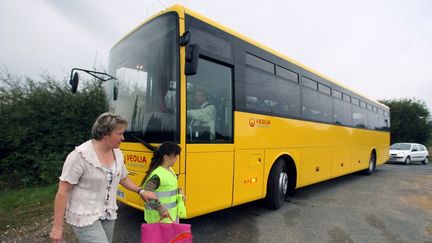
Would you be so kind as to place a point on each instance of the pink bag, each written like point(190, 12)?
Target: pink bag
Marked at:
point(166, 233)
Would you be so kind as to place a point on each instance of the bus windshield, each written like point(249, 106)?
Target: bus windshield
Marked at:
point(145, 65)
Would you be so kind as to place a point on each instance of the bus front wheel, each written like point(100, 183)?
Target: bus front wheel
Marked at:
point(277, 185)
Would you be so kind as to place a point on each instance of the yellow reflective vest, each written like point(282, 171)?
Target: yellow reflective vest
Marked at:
point(168, 195)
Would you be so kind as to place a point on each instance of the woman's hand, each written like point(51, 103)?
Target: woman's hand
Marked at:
point(147, 195)
point(56, 235)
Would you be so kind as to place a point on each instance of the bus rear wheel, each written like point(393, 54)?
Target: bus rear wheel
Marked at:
point(372, 165)
point(277, 185)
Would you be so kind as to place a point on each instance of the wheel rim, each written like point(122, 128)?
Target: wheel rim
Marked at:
point(408, 160)
point(283, 183)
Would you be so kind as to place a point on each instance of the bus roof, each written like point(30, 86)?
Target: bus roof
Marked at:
point(181, 10)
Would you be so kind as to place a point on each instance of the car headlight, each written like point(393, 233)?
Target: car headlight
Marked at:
point(400, 154)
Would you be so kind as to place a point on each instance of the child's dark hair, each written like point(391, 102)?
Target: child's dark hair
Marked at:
point(166, 148)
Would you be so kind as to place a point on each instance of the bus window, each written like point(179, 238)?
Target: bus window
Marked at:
point(252, 102)
point(287, 74)
point(316, 106)
point(288, 93)
point(324, 89)
point(259, 63)
point(209, 104)
point(346, 97)
point(211, 42)
point(359, 117)
point(373, 120)
point(337, 94)
point(278, 94)
point(309, 83)
point(355, 101)
point(341, 112)
point(257, 77)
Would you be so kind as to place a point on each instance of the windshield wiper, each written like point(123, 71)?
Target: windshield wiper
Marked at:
point(147, 145)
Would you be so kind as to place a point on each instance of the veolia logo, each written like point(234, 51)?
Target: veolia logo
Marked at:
point(252, 122)
point(135, 158)
point(258, 122)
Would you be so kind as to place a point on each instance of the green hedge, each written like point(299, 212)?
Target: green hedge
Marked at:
point(40, 123)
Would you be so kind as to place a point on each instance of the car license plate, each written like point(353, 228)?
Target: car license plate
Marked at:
point(120, 194)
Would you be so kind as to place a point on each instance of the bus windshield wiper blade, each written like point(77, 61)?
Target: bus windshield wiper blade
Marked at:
point(147, 145)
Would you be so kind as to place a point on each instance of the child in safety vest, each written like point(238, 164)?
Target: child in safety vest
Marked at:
point(162, 180)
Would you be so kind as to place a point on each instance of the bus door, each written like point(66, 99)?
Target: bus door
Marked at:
point(209, 141)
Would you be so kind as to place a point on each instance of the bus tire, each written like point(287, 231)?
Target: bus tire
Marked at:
point(277, 185)
point(372, 164)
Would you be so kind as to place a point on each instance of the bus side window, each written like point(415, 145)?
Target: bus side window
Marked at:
point(216, 79)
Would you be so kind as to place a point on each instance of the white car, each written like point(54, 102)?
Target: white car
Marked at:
point(408, 152)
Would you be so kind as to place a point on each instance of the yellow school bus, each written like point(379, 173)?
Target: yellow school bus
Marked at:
point(275, 125)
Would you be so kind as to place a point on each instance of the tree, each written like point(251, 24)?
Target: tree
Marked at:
point(40, 123)
point(410, 120)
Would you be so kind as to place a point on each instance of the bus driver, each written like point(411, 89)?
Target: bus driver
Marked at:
point(202, 119)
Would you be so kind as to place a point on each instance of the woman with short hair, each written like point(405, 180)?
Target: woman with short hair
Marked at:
point(88, 183)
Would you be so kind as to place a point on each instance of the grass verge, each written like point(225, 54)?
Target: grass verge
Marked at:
point(23, 206)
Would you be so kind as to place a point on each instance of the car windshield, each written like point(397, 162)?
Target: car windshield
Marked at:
point(401, 146)
point(145, 64)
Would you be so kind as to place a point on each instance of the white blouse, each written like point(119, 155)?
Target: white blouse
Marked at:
point(91, 196)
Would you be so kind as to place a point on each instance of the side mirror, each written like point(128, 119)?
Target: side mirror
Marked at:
point(192, 55)
point(74, 83)
point(98, 75)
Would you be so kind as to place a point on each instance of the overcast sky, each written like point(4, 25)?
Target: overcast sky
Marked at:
point(380, 48)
